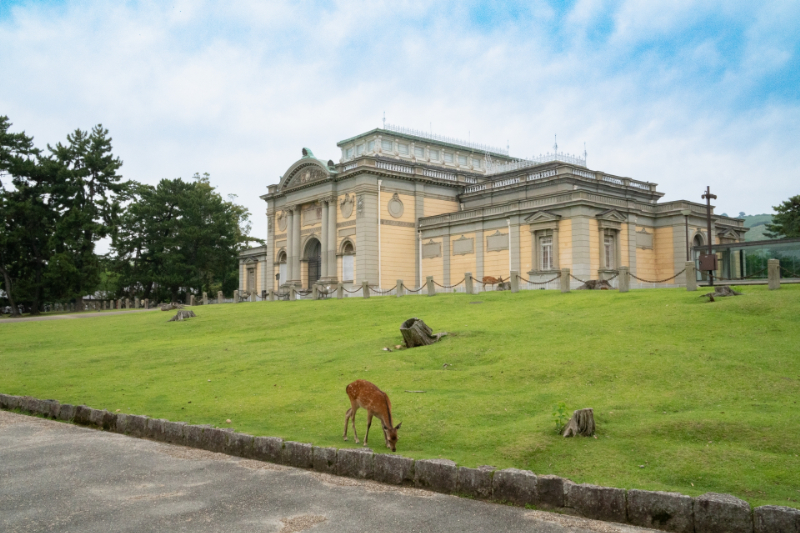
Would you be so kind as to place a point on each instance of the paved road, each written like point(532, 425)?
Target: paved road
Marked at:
point(60, 477)
point(69, 316)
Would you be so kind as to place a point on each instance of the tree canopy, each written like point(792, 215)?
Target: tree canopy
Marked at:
point(786, 223)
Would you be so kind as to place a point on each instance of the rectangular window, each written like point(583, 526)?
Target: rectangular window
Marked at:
point(387, 146)
point(462, 160)
point(434, 155)
point(448, 157)
point(347, 268)
point(402, 148)
point(360, 149)
point(371, 146)
point(419, 152)
point(546, 247)
point(349, 153)
point(476, 163)
point(282, 273)
point(608, 245)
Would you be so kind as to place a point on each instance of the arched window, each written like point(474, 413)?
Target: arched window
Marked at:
point(347, 261)
point(282, 267)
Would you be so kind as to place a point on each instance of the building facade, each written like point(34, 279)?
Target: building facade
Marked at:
point(403, 206)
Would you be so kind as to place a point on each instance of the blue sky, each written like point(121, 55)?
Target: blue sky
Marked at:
point(684, 94)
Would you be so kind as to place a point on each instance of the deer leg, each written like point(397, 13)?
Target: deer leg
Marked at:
point(347, 421)
point(353, 418)
point(369, 423)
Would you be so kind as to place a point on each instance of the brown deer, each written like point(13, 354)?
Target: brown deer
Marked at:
point(364, 394)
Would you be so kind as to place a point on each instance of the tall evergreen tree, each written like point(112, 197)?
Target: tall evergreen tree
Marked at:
point(786, 223)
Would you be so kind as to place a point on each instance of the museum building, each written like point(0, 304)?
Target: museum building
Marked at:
point(403, 205)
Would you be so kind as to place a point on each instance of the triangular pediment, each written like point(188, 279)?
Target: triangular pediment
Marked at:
point(728, 234)
point(542, 216)
point(612, 215)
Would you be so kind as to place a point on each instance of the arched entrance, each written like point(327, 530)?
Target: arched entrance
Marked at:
point(698, 241)
point(313, 256)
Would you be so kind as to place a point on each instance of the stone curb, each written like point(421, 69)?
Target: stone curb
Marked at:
point(667, 511)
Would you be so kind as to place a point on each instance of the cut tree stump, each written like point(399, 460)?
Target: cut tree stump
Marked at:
point(171, 306)
point(595, 285)
point(581, 423)
point(720, 291)
point(417, 333)
point(182, 315)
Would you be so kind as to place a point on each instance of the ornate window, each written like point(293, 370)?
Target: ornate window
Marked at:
point(349, 153)
point(448, 157)
point(462, 160)
point(546, 252)
point(476, 163)
point(387, 146)
point(360, 149)
point(419, 152)
point(609, 249)
point(434, 155)
point(371, 146)
point(402, 148)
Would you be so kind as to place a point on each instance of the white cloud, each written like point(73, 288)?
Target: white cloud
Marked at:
point(237, 90)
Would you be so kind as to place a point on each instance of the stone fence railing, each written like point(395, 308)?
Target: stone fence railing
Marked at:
point(668, 511)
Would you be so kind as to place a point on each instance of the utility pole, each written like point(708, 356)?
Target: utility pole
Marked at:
point(709, 262)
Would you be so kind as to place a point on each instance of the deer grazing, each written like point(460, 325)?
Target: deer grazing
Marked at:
point(364, 394)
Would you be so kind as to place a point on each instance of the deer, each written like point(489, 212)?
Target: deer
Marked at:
point(364, 394)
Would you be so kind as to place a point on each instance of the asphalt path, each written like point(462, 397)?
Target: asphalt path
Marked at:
point(61, 477)
point(69, 316)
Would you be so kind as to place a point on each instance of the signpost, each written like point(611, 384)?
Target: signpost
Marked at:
point(708, 262)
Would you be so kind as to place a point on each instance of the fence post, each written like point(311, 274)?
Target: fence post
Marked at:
point(691, 276)
point(400, 288)
point(514, 281)
point(236, 296)
point(468, 282)
point(270, 295)
point(429, 283)
point(292, 293)
point(774, 274)
point(365, 289)
point(339, 291)
point(315, 292)
point(564, 280)
point(192, 301)
point(220, 297)
point(205, 298)
point(624, 279)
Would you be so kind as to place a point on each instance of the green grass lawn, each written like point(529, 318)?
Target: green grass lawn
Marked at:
point(688, 396)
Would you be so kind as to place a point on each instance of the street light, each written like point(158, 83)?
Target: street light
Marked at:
point(686, 213)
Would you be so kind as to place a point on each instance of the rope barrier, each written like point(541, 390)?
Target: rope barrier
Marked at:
point(413, 290)
point(576, 278)
point(450, 286)
point(659, 281)
point(793, 274)
point(540, 282)
point(351, 292)
point(746, 277)
point(378, 291)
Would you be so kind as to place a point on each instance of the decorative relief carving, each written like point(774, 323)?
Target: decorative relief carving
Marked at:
point(385, 222)
point(431, 249)
point(644, 240)
point(396, 206)
point(282, 218)
point(360, 205)
point(463, 246)
point(307, 174)
point(312, 214)
point(346, 205)
point(345, 224)
point(497, 241)
point(279, 236)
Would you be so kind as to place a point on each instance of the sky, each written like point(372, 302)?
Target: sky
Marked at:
point(684, 94)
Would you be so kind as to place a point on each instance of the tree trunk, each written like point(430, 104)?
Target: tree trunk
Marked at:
point(417, 333)
point(581, 423)
point(11, 303)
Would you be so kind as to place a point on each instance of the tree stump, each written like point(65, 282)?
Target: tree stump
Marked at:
point(595, 285)
point(182, 315)
point(171, 306)
point(721, 290)
point(417, 333)
point(581, 423)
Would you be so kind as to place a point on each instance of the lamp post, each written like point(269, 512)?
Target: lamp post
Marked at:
point(686, 213)
point(710, 263)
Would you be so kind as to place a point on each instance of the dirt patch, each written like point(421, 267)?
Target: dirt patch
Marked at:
point(300, 523)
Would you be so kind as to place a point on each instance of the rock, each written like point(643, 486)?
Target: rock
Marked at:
point(324, 459)
point(476, 482)
point(598, 503)
point(182, 315)
point(393, 469)
point(721, 513)
point(173, 432)
point(155, 429)
point(550, 491)
point(776, 519)
point(668, 511)
point(66, 412)
point(595, 285)
point(515, 486)
point(354, 462)
point(193, 435)
point(440, 475)
point(241, 445)
point(720, 291)
point(137, 426)
point(171, 306)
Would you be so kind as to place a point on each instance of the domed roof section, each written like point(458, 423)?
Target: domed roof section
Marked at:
point(307, 169)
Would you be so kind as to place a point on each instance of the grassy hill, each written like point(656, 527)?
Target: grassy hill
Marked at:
point(689, 396)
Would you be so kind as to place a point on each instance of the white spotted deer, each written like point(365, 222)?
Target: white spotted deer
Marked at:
point(364, 394)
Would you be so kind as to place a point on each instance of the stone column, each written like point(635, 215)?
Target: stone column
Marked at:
point(136, 302)
point(514, 281)
point(205, 298)
point(691, 276)
point(400, 290)
point(624, 279)
point(289, 244)
point(365, 289)
point(315, 292)
point(468, 282)
point(774, 274)
point(564, 280)
point(332, 238)
point(220, 297)
point(429, 283)
point(295, 236)
point(324, 242)
point(292, 293)
point(236, 296)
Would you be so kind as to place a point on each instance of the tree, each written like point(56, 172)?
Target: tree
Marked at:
point(786, 223)
point(179, 237)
